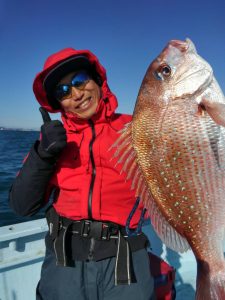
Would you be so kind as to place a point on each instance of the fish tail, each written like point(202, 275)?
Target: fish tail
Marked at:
point(210, 281)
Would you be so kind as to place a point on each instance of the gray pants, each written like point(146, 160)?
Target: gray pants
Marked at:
point(94, 280)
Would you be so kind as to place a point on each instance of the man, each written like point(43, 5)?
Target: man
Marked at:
point(95, 248)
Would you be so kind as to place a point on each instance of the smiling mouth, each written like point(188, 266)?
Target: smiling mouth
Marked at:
point(85, 104)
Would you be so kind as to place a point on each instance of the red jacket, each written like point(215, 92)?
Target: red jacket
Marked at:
point(89, 184)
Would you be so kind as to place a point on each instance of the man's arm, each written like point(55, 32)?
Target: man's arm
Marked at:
point(28, 192)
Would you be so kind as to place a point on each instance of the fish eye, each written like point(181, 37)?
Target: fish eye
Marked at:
point(165, 70)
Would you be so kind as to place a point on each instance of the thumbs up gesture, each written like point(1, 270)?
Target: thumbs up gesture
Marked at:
point(53, 136)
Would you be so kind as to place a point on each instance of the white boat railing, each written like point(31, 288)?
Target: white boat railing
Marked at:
point(22, 251)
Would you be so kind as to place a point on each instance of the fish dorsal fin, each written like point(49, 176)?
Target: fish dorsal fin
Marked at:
point(126, 156)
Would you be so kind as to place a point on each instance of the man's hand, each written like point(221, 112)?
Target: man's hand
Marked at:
point(53, 136)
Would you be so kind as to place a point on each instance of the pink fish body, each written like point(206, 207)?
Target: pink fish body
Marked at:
point(174, 151)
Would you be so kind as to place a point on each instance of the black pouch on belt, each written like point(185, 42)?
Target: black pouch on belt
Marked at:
point(58, 230)
point(53, 222)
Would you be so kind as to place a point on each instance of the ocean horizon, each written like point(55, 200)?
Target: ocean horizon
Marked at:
point(6, 128)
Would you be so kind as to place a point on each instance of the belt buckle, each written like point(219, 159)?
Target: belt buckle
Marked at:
point(85, 228)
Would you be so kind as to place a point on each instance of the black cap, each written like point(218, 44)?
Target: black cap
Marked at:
point(62, 69)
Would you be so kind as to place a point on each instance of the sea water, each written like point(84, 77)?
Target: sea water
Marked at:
point(14, 146)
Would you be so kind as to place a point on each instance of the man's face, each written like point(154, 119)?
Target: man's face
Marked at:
point(82, 102)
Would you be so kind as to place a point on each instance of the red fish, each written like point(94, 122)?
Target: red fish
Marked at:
point(174, 151)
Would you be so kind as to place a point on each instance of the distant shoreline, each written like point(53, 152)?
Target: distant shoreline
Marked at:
point(2, 128)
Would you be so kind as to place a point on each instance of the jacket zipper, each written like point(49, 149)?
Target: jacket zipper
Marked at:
point(93, 170)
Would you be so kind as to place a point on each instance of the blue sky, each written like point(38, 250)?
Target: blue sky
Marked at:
point(126, 36)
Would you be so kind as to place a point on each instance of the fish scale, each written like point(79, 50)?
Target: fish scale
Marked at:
point(163, 159)
point(176, 158)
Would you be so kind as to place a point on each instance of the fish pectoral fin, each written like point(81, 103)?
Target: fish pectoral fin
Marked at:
point(216, 110)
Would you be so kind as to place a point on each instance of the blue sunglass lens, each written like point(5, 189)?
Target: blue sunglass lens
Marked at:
point(62, 91)
point(79, 79)
point(65, 88)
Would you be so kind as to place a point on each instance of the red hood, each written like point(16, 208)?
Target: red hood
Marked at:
point(107, 104)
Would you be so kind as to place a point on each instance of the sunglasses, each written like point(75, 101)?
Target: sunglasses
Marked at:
point(79, 81)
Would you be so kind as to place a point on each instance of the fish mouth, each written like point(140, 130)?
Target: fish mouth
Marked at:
point(190, 45)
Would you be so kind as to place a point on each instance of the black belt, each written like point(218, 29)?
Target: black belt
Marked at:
point(93, 229)
point(62, 228)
